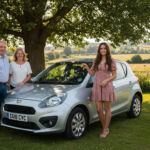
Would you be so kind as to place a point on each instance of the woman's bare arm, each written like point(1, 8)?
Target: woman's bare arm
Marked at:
point(27, 78)
point(114, 74)
point(90, 71)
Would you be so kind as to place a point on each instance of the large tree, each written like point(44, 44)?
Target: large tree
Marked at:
point(69, 21)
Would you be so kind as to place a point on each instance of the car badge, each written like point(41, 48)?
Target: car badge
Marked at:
point(19, 101)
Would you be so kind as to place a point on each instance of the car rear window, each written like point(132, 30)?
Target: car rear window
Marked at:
point(120, 72)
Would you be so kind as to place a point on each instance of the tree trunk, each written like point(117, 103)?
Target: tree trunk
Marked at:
point(34, 47)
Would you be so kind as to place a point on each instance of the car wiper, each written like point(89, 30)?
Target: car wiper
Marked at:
point(56, 82)
point(70, 83)
point(46, 82)
point(30, 81)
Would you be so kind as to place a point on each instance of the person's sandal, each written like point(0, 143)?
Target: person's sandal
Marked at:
point(104, 133)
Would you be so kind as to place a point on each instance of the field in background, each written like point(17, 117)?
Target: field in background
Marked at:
point(140, 67)
point(124, 57)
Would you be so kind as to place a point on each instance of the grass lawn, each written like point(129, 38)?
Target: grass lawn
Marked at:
point(126, 134)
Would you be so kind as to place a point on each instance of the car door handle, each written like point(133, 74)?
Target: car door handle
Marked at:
point(130, 83)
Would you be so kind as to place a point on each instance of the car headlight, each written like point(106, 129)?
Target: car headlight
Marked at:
point(53, 101)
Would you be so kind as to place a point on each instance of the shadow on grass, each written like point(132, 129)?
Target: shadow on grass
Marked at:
point(53, 137)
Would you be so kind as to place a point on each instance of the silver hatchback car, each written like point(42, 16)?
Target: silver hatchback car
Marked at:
point(59, 99)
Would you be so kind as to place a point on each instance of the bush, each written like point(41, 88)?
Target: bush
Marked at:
point(146, 61)
point(64, 56)
point(67, 51)
point(144, 78)
point(136, 59)
point(57, 55)
point(92, 50)
point(50, 56)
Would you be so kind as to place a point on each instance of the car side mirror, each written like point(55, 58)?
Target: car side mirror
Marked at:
point(89, 85)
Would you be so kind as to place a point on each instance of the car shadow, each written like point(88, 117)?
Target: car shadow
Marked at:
point(53, 137)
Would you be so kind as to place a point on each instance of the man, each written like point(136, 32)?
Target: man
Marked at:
point(4, 72)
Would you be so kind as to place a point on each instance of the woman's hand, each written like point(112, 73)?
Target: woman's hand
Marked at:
point(85, 66)
point(20, 84)
point(91, 72)
point(103, 83)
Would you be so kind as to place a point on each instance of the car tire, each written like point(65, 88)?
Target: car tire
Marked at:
point(76, 124)
point(136, 107)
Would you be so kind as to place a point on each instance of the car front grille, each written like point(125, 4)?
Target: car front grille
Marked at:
point(19, 109)
point(25, 125)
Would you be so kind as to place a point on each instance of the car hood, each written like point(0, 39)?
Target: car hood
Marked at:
point(37, 92)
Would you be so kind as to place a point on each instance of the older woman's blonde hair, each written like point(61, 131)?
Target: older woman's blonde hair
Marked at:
point(24, 54)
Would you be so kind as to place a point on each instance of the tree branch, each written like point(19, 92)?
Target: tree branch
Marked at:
point(67, 19)
point(59, 15)
point(15, 33)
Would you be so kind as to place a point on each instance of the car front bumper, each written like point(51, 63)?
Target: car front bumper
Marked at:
point(51, 119)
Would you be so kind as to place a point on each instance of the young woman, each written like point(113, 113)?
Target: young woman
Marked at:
point(20, 70)
point(103, 92)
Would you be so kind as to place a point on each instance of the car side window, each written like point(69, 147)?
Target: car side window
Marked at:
point(91, 81)
point(120, 72)
point(125, 69)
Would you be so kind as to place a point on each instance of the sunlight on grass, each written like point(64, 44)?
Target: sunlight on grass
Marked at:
point(146, 103)
point(146, 98)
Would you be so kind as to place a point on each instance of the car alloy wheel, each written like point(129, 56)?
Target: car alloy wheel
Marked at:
point(136, 106)
point(76, 124)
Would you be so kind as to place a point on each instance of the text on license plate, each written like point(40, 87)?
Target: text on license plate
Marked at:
point(18, 117)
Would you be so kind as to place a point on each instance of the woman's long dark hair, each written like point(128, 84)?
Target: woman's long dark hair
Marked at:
point(99, 57)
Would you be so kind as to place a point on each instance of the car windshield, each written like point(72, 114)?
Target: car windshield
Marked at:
point(63, 73)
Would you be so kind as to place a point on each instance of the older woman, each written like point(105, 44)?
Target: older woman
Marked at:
point(20, 69)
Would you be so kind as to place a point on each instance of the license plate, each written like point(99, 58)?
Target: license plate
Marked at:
point(18, 117)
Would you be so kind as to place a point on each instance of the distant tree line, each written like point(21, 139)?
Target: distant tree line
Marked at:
point(118, 50)
point(137, 59)
point(54, 55)
point(131, 50)
point(67, 51)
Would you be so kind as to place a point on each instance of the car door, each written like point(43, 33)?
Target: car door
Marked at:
point(91, 103)
point(122, 89)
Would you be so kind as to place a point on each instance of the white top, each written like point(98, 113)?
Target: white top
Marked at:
point(19, 72)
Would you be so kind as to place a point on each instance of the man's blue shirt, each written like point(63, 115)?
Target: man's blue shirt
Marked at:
point(4, 69)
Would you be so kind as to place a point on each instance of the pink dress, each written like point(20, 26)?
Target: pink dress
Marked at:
point(106, 93)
